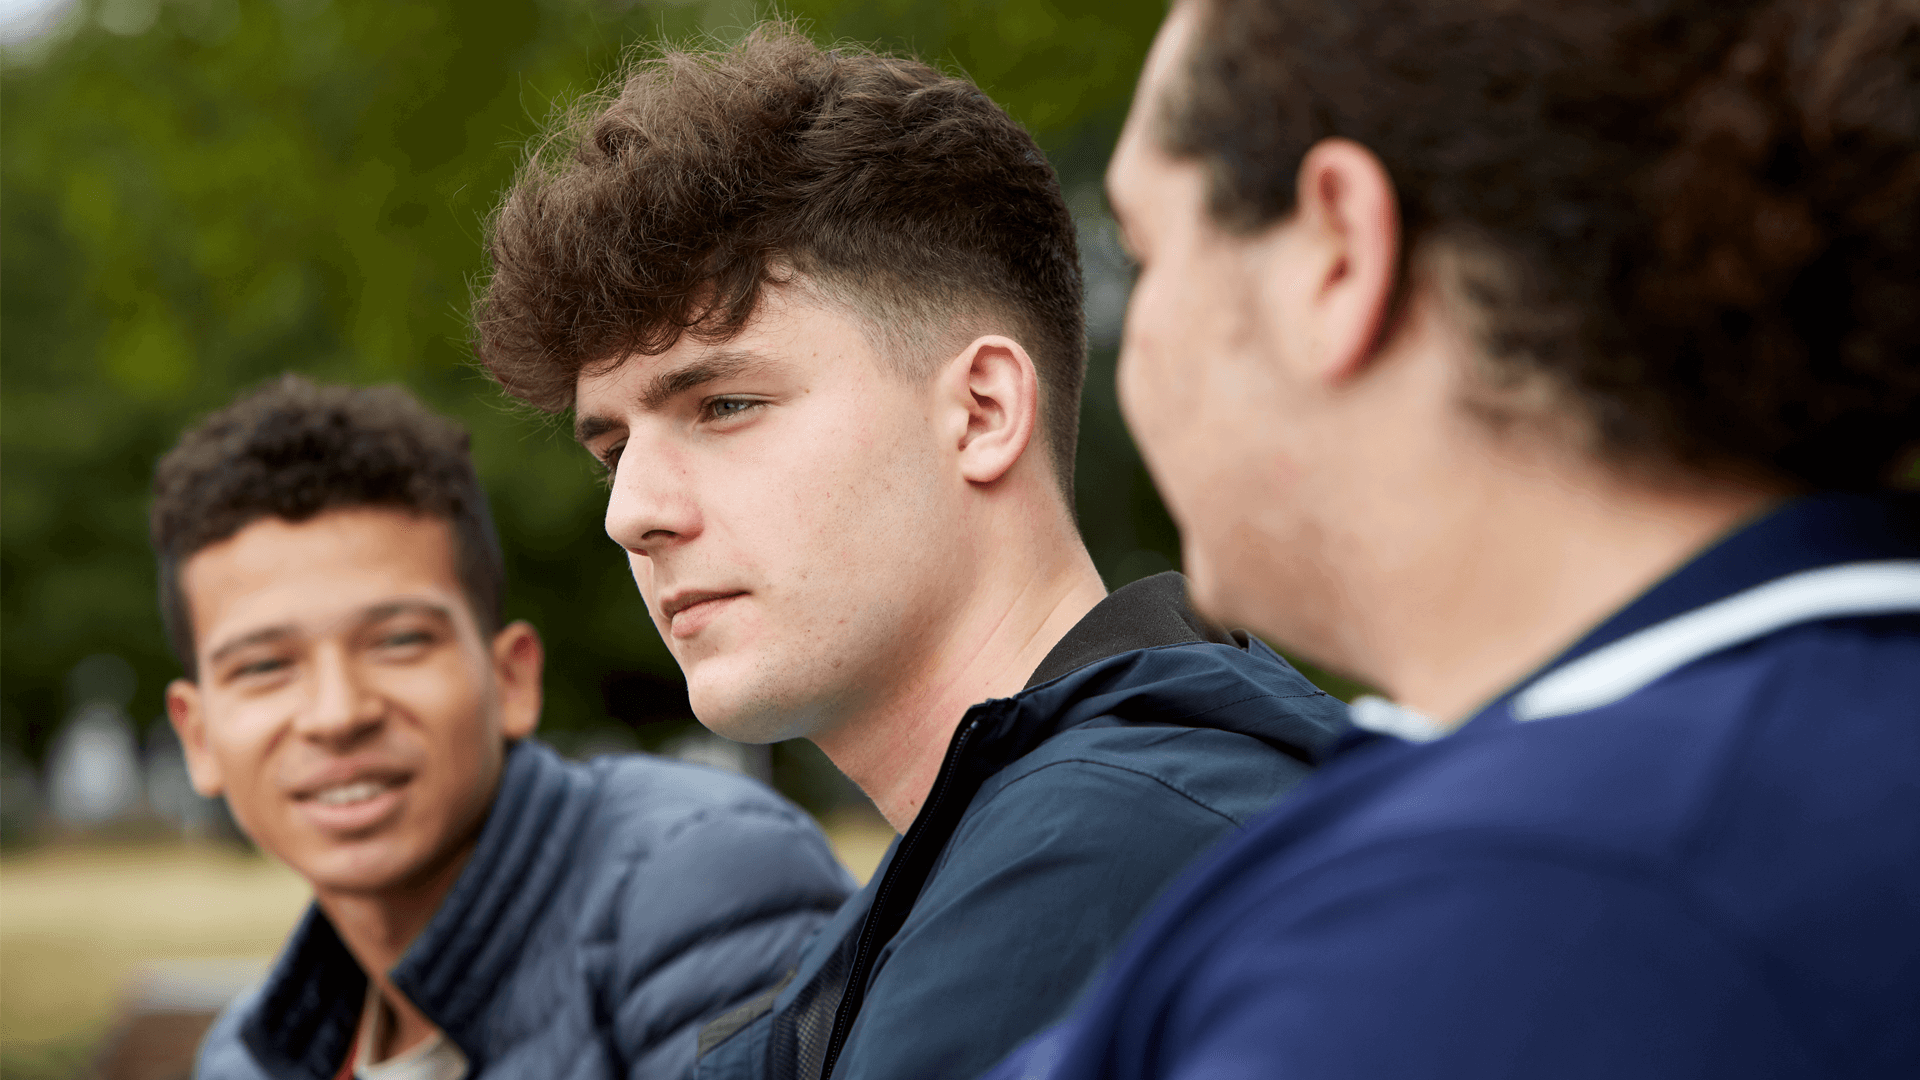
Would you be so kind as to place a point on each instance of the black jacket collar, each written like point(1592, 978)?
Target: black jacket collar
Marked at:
point(1152, 611)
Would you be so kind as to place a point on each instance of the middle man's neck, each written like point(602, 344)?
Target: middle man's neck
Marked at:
point(1008, 627)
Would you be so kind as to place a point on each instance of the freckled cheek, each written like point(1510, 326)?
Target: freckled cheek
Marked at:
point(827, 485)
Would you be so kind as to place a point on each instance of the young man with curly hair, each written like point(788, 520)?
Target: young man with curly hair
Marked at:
point(818, 315)
point(332, 584)
point(1551, 367)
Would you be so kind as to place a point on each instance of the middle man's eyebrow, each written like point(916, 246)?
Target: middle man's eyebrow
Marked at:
point(667, 385)
point(713, 367)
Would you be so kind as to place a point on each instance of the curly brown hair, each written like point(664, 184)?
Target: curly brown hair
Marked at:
point(1696, 220)
point(292, 450)
point(664, 207)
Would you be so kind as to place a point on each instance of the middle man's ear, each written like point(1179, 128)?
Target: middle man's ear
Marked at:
point(992, 386)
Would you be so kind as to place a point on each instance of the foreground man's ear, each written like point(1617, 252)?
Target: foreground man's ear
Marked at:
point(518, 662)
point(993, 385)
point(1348, 217)
point(190, 724)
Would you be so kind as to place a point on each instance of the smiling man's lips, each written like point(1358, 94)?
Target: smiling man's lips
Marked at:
point(353, 806)
point(345, 783)
point(358, 791)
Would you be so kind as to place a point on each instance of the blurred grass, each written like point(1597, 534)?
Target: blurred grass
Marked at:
point(78, 922)
point(859, 836)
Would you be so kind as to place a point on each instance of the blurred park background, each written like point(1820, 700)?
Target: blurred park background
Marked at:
point(196, 195)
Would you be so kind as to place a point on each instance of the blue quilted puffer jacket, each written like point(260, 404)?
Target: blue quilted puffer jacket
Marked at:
point(607, 912)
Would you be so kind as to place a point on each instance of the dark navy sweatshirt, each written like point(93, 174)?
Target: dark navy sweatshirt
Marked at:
point(1689, 847)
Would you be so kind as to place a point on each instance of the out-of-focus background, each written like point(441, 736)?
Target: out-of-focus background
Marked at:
point(196, 195)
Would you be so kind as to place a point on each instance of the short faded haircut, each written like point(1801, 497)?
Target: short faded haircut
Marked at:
point(293, 449)
point(664, 206)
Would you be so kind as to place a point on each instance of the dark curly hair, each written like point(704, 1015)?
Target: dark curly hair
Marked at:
point(293, 449)
point(665, 206)
point(1697, 221)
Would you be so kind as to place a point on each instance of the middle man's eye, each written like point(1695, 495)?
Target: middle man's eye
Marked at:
point(728, 408)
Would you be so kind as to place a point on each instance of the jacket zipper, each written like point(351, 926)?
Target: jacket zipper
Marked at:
point(862, 957)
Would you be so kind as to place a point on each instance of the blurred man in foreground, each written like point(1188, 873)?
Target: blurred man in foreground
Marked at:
point(818, 315)
point(1547, 366)
point(332, 583)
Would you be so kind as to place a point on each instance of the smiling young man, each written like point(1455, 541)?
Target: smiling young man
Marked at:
point(818, 315)
point(332, 584)
point(1551, 367)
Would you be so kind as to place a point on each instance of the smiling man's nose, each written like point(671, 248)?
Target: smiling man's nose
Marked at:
point(650, 507)
point(343, 707)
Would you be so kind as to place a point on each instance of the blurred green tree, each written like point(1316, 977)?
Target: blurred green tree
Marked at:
point(198, 194)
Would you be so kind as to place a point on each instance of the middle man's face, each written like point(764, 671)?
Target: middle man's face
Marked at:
point(791, 514)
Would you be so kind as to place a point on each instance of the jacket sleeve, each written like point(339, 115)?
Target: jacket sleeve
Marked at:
point(715, 914)
point(1036, 890)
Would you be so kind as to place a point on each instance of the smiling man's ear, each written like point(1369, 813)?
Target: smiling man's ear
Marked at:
point(518, 663)
point(995, 388)
point(184, 709)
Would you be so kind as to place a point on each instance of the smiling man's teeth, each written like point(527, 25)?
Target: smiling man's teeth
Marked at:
point(358, 791)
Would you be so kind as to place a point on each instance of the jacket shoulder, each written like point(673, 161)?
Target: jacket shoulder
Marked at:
point(713, 882)
point(1052, 862)
point(1228, 773)
point(657, 795)
point(223, 1055)
point(685, 851)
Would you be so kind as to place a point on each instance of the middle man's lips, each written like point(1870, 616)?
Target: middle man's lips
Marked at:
point(689, 613)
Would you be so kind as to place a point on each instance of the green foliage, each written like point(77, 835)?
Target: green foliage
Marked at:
point(212, 192)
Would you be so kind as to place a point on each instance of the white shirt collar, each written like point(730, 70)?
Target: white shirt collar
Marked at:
point(434, 1058)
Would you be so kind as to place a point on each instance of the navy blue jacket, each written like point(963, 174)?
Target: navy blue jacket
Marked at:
point(607, 911)
point(1690, 847)
point(1058, 814)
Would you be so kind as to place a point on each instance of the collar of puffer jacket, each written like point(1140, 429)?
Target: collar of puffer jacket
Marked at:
point(304, 1019)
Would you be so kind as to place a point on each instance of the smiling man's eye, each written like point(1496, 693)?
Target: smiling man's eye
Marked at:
point(260, 667)
point(401, 639)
